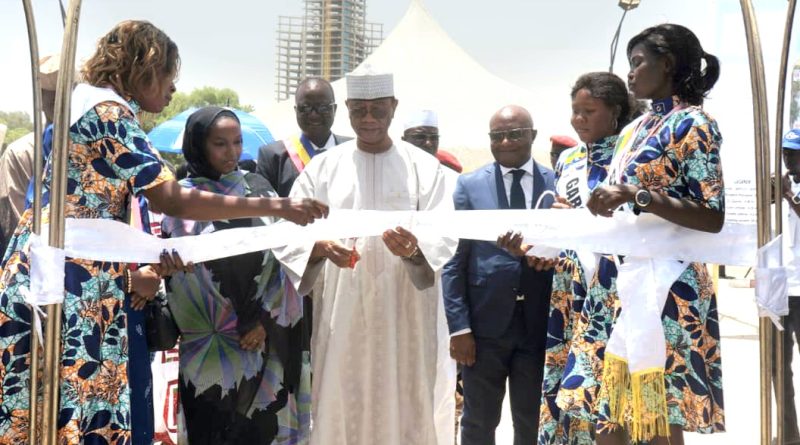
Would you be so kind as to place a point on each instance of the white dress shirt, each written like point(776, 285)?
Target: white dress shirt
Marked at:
point(330, 143)
point(791, 244)
point(526, 182)
point(527, 187)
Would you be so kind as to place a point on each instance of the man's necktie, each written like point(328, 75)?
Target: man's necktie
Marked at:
point(517, 195)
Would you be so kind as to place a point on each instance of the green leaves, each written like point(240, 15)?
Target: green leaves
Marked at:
point(199, 97)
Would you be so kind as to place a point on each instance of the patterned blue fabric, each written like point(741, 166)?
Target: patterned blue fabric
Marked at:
point(109, 158)
point(566, 303)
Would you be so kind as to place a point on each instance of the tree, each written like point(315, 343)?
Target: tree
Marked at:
point(199, 97)
point(19, 124)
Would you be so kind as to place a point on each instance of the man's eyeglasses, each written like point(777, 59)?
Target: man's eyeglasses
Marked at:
point(319, 109)
point(421, 137)
point(512, 135)
point(376, 111)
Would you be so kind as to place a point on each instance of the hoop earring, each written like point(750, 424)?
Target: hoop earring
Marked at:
point(614, 123)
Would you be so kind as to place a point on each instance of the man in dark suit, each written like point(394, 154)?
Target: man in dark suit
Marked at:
point(497, 303)
point(282, 161)
point(315, 107)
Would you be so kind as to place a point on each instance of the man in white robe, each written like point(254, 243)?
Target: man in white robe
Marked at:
point(375, 348)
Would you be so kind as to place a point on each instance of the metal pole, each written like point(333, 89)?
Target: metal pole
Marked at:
point(782, 74)
point(762, 153)
point(58, 188)
point(33, 43)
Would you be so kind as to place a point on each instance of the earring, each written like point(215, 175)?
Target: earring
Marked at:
point(614, 123)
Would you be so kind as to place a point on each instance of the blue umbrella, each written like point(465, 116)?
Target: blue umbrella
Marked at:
point(168, 137)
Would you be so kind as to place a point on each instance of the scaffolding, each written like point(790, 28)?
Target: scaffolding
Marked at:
point(330, 40)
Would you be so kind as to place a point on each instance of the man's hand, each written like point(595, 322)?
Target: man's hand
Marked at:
point(540, 264)
point(254, 339)
point(335, 251)
point(400, 242)
point(462, 348)
point(512, 243)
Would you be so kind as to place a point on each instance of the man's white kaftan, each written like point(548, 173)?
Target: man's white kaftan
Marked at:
point(375, 346)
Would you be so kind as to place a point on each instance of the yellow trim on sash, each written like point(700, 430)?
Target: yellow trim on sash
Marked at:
point(575, 155)
point(637, 401)
point(300, 150)
point(626, 136)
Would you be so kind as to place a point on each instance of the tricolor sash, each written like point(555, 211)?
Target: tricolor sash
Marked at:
point(300, 150)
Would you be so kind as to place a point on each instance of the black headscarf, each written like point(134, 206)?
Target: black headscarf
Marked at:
point(194, 140)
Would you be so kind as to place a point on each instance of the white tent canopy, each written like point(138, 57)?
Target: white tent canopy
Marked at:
point(431, 72)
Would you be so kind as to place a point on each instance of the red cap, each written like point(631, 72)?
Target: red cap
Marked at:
point(448, 160)
point(564, 141)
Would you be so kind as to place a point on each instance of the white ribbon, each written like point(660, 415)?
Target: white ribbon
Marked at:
point(772, 289)
point(46, 279)
point(646, 236)
point(638, 334)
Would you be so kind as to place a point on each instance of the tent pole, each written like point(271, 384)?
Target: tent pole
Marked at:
point(761, 129)
point(780, 401)
point(33, 43)
point(58, 188)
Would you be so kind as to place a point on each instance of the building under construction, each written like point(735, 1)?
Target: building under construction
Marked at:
point(330, 40)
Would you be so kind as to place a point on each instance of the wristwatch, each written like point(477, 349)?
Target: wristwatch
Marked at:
point(642, 198)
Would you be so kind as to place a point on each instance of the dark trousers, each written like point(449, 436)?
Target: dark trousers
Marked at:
point(791, 331)
point(517, 357)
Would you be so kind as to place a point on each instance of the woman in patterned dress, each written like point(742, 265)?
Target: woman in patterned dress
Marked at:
point(668, 165)
point(109, 160)
point(241, 378)
point(601, 107)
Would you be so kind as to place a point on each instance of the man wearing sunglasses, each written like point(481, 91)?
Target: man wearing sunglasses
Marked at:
point(315, 108)
point(422, 131)
point(497, 303)
point(375, 345)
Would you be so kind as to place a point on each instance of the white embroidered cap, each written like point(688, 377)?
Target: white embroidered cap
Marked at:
point(422, 118)
point(367, 84)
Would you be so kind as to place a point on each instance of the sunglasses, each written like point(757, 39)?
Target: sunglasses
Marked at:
point(377, 112)
point(512, 135)
point(319, 109)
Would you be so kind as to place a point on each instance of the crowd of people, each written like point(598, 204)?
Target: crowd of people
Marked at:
point(337, 341)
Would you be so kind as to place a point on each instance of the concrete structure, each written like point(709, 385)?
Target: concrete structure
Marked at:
point(330, 40)
point(432, 72)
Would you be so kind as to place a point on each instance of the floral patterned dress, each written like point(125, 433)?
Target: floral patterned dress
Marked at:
point(569, 292)
point(680, 159)
point(109, 159)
